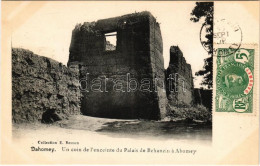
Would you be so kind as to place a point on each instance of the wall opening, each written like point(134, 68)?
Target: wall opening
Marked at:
point(111, 40)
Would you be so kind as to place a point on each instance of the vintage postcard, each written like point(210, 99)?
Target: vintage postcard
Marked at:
point(130, 82)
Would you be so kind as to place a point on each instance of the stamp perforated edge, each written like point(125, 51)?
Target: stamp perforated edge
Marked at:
point(255, 109)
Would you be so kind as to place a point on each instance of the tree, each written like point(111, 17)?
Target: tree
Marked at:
point(205, 10)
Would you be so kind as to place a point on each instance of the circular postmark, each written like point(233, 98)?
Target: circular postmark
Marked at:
point(224, 33)
point(228, 34)
point(205, 34)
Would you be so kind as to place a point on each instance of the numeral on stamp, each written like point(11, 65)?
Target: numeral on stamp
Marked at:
point(235, 80)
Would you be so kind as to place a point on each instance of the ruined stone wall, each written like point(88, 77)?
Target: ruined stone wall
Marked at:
point(157, 62)
point(138, 52)
point(180, 90)
point(42, 85)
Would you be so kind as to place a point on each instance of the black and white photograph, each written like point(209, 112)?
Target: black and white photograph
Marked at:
point(140, 74)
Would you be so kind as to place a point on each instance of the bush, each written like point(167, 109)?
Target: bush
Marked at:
point(196, 112)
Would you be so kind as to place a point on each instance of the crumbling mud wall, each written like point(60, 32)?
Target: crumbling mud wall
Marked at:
point(138, 53)
point(179, 83)
point(42, 89)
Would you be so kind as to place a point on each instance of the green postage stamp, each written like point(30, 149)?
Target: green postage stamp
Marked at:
point(235, 80)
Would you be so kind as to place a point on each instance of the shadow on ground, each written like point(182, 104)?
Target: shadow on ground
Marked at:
point(141, 129)
point(156, 129)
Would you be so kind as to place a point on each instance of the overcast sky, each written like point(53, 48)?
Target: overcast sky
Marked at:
point(48, 31)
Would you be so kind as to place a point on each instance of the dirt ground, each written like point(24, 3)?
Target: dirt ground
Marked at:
point(136, 129)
